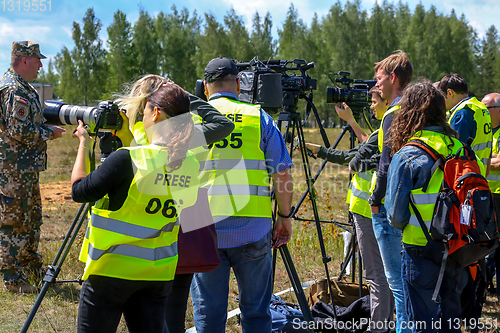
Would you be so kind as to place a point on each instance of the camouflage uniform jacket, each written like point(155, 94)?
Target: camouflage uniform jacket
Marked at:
point(23, 146)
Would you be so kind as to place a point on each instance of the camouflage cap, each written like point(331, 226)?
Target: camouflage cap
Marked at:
point(26, 48)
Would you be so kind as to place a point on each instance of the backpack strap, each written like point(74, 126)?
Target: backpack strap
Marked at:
point(439, 160)
point(441, 273)
point(421, 221)
point(429, 239)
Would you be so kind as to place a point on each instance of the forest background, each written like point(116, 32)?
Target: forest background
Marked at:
point(178, 44)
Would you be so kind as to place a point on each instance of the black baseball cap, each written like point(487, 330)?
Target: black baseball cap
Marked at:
point(217, 68)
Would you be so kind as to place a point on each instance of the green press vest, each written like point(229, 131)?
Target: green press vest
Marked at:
point(494, 175)
point(359, 192)
point(139, 241)
point(235, 172)
point(425, 201)
point(482, 142)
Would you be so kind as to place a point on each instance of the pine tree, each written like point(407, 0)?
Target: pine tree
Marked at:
point(177, 34)
point(120, 57)
point(145, 45)
point(261, 36)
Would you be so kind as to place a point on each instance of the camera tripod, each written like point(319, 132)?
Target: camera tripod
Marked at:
point(107, 143)
point(352, 247)
point(294, 123)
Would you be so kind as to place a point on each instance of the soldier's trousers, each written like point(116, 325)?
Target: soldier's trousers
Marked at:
point(20, 221)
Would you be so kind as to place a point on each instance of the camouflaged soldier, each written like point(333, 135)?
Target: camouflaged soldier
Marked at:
point(22, 156)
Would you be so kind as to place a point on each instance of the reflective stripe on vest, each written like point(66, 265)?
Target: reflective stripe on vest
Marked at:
point(139, 240)
point(426, 201)
point(129, 229)
point(233, 164)
point(494, 175)
point(392, 109)
point(236, 168)
point(360, 191)
point(138, 252)
point(482, 142)
point(239, 190)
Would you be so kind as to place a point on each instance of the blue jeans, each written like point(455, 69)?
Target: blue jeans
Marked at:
point(389, 242)
point(419, 279)
point(252, 267)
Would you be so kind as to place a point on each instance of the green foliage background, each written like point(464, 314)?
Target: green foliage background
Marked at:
point(178, 44)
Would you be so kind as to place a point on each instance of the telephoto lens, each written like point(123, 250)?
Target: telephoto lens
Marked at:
point(106, 115)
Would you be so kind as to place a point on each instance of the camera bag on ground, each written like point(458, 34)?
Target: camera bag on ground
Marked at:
point(464, 225)
point(345, 293)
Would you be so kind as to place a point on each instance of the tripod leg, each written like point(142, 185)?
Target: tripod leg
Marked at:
point(297, 286)
point(54, 269)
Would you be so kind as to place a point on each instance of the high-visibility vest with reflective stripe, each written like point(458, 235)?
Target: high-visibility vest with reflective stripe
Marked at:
point(390, 110)
point(425, 201)
point(483, 141)
point(139, 240)
point(494, 175)
point(359, 191)
point(200, 152)
point(236, 170)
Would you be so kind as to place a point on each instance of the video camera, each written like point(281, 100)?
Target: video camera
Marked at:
point(269, 84)
point(105, 116)
point(355, 94)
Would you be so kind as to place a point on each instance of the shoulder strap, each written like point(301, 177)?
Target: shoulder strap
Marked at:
point(420, 221)
point(439, 160)
point(445, 254)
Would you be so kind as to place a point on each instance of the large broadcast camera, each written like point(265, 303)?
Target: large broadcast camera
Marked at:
point(355, 93)
point(105, 116)
point(269, 84)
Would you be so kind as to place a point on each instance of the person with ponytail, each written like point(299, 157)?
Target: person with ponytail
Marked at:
point(210, 127)
point(130, 247)
point(422, 117)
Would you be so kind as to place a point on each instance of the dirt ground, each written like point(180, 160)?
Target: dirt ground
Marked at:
point(55, 193)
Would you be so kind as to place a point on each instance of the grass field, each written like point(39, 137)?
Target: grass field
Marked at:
point(58, 312)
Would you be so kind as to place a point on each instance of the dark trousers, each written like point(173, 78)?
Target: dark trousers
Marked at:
point(419, 280)
point(177, 303)
point(104, 299)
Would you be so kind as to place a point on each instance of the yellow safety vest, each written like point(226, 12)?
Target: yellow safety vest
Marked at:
point(494, 176)
point(425, 201)
point(200, 152)
point(236, 172)
point(392, 109)
point(483, 141)
point(139, 240)
point(359, 191)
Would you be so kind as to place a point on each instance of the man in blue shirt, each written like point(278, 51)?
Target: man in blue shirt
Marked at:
point(244, 240)
point(469, 117)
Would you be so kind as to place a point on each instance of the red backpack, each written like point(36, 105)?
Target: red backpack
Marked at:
point(464, 219)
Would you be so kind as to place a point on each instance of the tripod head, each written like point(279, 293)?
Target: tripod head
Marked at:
point(108, 143)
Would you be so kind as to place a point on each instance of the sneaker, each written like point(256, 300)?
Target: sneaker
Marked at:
point(22, 286)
